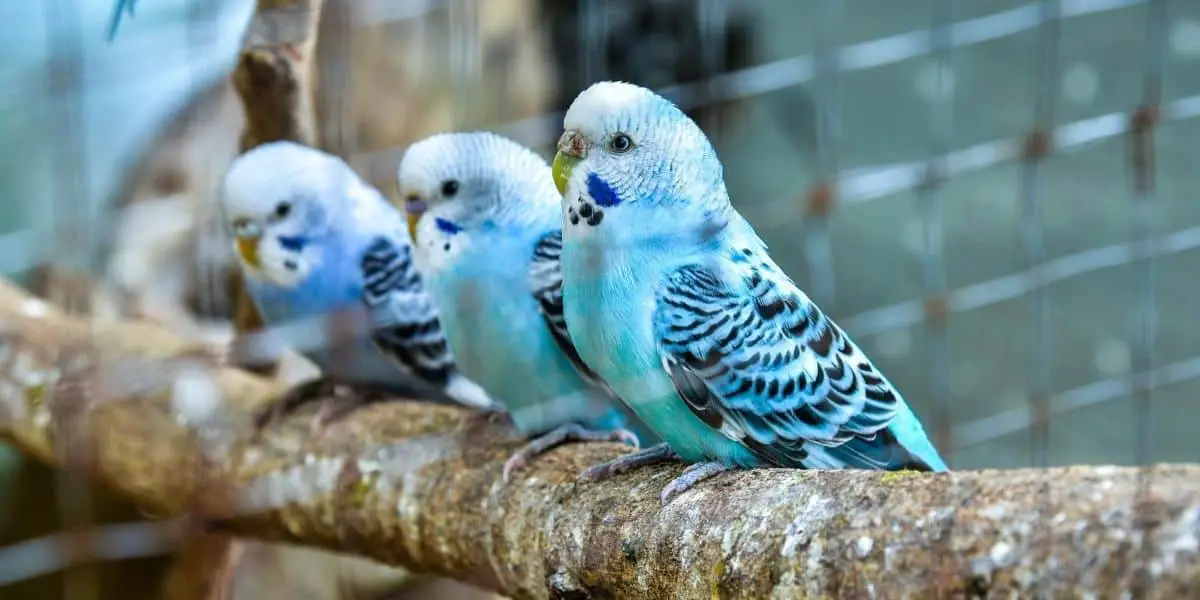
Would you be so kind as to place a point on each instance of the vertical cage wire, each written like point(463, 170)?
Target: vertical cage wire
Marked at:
point(340, 138)
point(818, 247)
point(1037, 145)
point(712, 19)
point(340, 131)
point(941, 120)
point(592, 61)
point(64, 80)
point(462, 32)
point(1141, 216)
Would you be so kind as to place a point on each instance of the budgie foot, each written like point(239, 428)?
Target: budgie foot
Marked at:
point(649, 456)
point(337, 399)
point(567, 433)
point(691, 476)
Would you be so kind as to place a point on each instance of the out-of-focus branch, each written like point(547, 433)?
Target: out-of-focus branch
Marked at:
point(420, 486)
point(274, 75)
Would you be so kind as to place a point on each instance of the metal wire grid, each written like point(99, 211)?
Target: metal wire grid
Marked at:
point(74, 503)
point(864, 184)
point(834, 186)
point(925, 176)
point(846, 187)
point(933, 263)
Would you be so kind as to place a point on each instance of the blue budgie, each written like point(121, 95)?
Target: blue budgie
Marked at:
point(488, 243)
point(671, 297)
point(320, 248)
point(84, 100)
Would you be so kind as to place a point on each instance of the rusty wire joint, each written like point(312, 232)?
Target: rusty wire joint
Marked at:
point(936, 308)
point(1037, 145)
point(1142, 122)
point(819, 199)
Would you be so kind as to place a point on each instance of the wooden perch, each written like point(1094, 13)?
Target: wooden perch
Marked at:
point(420, 487)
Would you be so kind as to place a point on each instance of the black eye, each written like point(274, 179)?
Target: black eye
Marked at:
point(449, 187)
point(283, 209)
point(620, 143)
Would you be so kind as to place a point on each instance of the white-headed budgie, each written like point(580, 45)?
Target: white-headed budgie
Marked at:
point(317, 244)
point(671, 297)
point(488, 243)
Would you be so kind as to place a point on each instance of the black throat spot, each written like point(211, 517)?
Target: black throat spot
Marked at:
point(585, 211)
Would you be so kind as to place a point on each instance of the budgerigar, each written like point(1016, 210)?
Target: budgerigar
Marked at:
point(488, 243)
point(671, 297)
point(318, 246)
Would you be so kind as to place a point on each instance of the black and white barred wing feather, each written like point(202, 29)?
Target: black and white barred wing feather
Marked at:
point(754, 358)
point(404, 321)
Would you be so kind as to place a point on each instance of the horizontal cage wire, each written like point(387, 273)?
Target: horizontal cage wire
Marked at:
point(865, 184)
point(858, 185)
point(834, 183)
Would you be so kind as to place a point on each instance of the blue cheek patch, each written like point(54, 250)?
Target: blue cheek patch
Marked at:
point(292, 243)
point(448, 227)
point(601, 192)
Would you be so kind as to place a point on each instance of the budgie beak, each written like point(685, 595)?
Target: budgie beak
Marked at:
point(247, 249)
point(571, 150)
point(414, 207)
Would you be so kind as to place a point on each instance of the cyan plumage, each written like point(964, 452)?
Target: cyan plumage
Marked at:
point(672, 298)
point(488, 243)
point(314, 240)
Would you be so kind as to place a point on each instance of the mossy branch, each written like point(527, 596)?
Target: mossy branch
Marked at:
point(420, 487)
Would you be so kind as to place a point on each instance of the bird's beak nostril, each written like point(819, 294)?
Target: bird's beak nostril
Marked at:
point(571, 144)
point(414, 207)
point(571, 150)
point(414, 204)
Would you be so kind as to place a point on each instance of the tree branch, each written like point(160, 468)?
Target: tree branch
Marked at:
point(420, 487)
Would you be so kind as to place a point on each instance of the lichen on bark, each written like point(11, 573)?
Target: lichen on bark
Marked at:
point(420, 486)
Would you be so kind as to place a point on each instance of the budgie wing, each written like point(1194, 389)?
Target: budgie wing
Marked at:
point(546, 282)
point(754, 358)
point(405, 323)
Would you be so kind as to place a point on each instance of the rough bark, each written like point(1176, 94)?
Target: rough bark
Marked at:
point(274, 75)
point(420, 487)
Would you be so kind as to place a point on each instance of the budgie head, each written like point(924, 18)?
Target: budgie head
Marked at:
point(631, 163)
point(459, 183)
point(277, 201)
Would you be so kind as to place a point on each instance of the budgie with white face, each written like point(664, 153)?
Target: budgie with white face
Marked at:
point(488, 243)
point(671, 297)
point(318, 246)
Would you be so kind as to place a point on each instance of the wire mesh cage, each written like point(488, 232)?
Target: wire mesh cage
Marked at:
point(971, 189)
point(990, 196)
